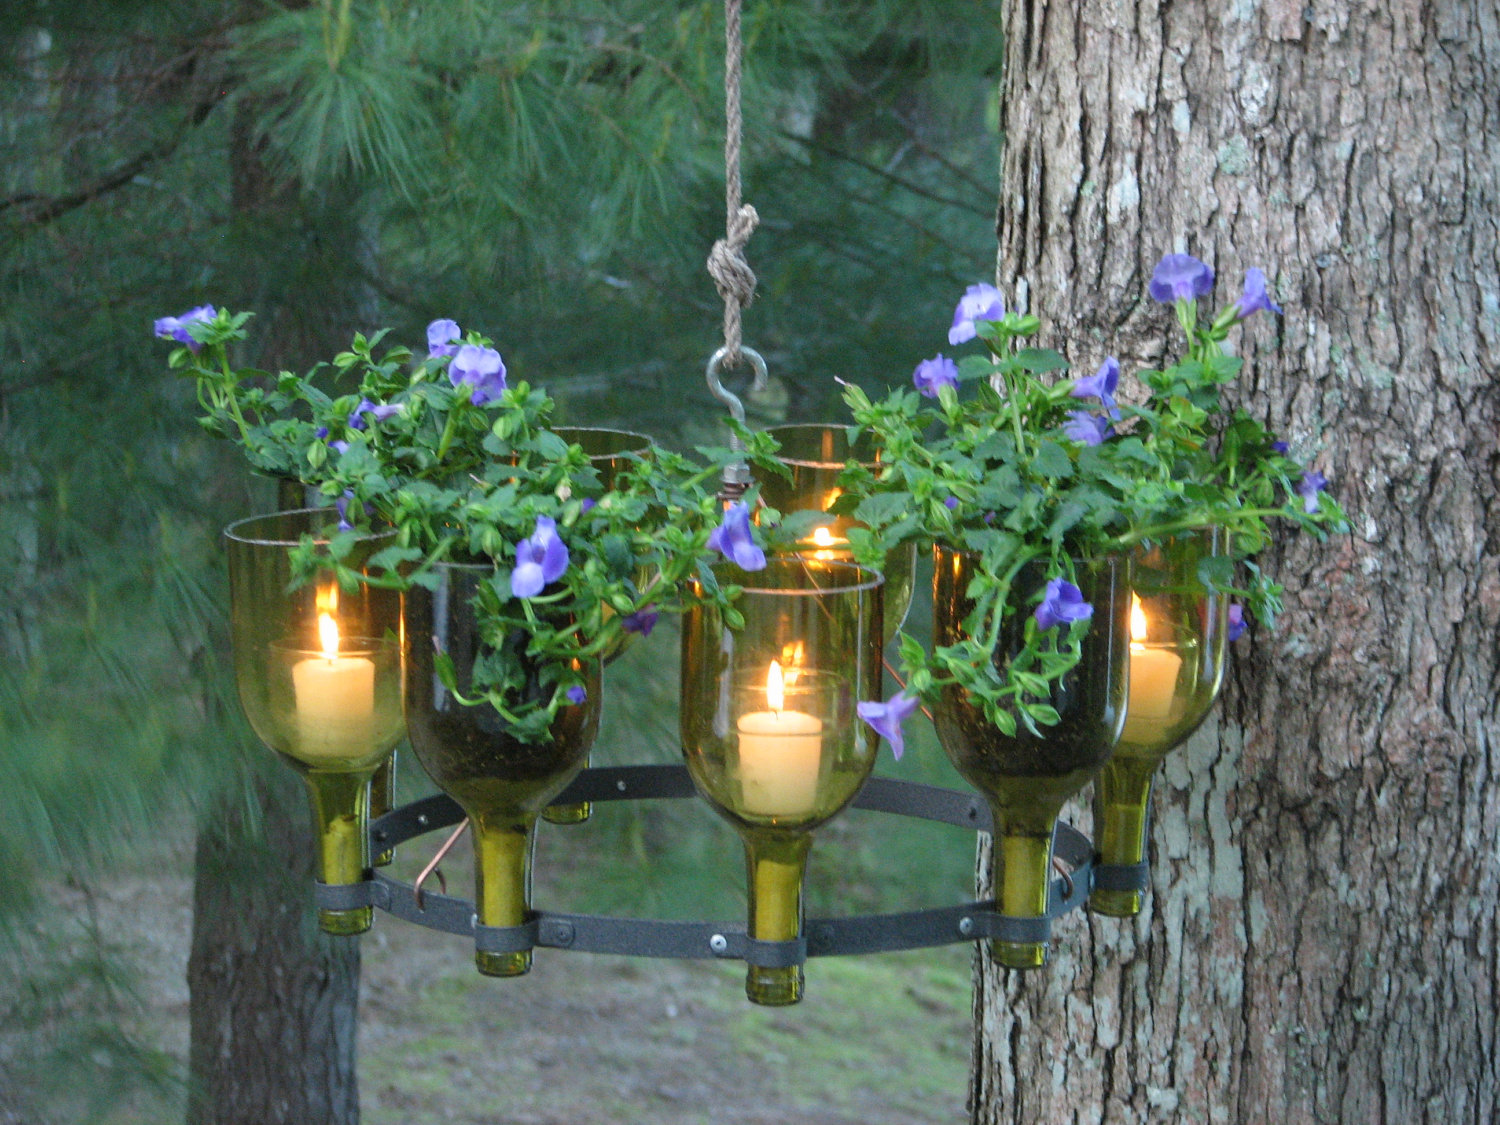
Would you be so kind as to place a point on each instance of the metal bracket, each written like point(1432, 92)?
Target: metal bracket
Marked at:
point(822, 937)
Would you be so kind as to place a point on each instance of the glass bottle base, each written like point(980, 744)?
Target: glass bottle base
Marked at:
point(568, 814)
point(774, 988)
point(1116, 904)
point(503, 964)
point(1019, 954)
point(345, 923)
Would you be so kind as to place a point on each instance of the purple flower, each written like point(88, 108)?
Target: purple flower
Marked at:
point(1102, 384)
point(732, 538)
point(1236, 621)
point(441, 335)
point(1255, 297)
point(587, 505)
point(339, 446)
point(979, 302)
point(886, 718)
point(342, 503)
point(1062, 604)
point(380, 413)
point(1280, 447)
point(480, 368)
point(576, 694)
point(933, 374)
point(1312, 483)
point(1085, 428)
point(540, 559)
point(951, 503)
point(321, 432)
point(642, 621)
point(176, 327)
point(1180, 277)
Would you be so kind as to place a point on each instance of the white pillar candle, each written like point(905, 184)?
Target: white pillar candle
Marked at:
point(1153, 680)
point(781, 754)
point(335, 700)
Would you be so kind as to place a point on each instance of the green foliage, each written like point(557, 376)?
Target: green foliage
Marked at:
point(1021, 474)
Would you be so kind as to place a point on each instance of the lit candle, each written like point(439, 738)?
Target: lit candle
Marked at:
point(780, 755)
point(1153, 680)
point(335, 699)
point(828, 546)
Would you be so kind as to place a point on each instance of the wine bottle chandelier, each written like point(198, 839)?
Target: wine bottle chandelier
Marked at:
point(770, 739)
point(771, 733)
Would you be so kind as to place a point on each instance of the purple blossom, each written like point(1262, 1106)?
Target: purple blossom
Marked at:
point(342, 503)
point(540, 559)
point(1312, 483)
point(1180, 277)
point(176, 327)
point(339, 447)
point(642, 621)
point(1086, 428)
point(379, 412)
point(733, 540)
point(1280, 447)
point(576, 694)
point(1255, 297)
point(1102, 384)
point(441, 335)
point(321, 432)
point(951, 503)
point(933, 374)
point(1062, 604)
point(1237, 624)
point(480, 368)
point(979, 302)
point(886, 718)
point(587, 505)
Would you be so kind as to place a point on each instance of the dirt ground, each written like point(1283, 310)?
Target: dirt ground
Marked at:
point(581, 1040)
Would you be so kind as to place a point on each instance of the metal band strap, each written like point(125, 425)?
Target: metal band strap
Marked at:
point(1122, 877)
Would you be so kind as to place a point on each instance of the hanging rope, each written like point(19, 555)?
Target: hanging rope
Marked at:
point(732, 275)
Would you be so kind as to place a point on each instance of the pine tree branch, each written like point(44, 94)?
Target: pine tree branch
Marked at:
point(37, 210)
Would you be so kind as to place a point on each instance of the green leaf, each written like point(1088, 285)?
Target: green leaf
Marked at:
point(1052, 461)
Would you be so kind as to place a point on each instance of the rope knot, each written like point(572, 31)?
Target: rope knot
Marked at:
point(733, 277)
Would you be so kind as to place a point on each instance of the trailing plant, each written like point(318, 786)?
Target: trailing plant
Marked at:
point(1006, 458)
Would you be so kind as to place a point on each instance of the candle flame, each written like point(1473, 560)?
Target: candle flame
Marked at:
point(775, 692)
point(822, 537)
point(328, 633)
point(1138, 625)
point(327, 598)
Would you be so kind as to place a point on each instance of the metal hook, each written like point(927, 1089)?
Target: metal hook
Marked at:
point(736, 475)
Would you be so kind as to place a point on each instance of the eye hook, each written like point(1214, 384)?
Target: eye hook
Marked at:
point(737, 473)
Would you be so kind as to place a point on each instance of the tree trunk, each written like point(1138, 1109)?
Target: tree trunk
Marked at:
point(1320, 941)
point(274, 1002)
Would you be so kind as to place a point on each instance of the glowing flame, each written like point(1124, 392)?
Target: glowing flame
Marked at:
point(822, 537)
point(328, 633)
point(793, 656)
point(328, 599)
point(1137, 620)
point(775, 693)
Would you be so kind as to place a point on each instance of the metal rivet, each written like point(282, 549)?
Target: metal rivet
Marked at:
point(966, 926)
point(422, 821)
point(563, 933)
point(718, 943)
point(382, 834)
point(620, 785)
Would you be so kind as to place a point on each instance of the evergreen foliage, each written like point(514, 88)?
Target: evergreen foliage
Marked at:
point(550, 172)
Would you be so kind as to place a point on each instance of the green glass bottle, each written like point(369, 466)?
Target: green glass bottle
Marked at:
point(1177, 637)
point(815, 455)
point(501, 782)
point(769, 728)
point(609, 452)
point(319, 673)
point(1026, 778)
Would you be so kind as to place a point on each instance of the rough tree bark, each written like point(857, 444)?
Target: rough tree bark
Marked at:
point(1320, 944)
point(273, 1001)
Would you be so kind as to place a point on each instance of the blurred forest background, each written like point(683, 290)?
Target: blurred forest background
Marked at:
point(548, 173)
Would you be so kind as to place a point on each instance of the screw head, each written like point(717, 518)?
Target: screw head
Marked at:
point(718, 943)
point(966, 926)
point(422, 820)
point(620, 785)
